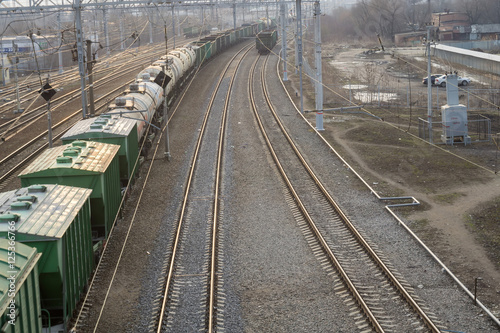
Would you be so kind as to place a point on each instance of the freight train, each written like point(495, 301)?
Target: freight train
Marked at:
point(266, 40)
point(71, 194)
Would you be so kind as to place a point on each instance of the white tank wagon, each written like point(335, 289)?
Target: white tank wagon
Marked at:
point(140, 103)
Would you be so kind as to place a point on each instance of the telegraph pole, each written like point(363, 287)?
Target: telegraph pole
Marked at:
point(319, 77)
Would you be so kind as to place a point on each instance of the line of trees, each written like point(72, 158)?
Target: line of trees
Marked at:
point(387, 17)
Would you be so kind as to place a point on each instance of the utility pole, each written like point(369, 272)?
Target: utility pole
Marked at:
point(47, 92)
point(3, 64)
point(283, 39)
point(150, 30)
point(267, 16)
point(59, 52)
point(173, 25)
point(299, 49)
point(106, 31)
point(16, 60)
point(122, 43)
point(165, 104)
point(49, 119)
point(90, 64)
point(319, 77)
point(429, 83)
point(234, 15)
point(79, 45)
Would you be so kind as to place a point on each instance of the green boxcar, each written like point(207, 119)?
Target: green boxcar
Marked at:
point(265, 41)
point(232, 37)
point(55, 219)
point(191, 32)
point(19, 303)
point(110, 129)
point(213, 44)
point(204, 51)
point(86, 164)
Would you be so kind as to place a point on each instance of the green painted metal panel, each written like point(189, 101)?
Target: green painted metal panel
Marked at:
point(114, 130)
point(96, 167)
point(19, 302)
point(58, 226)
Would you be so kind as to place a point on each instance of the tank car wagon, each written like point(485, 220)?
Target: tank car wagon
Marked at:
point(19, 312)
point(92, 165)
point(55, 220)
point(266, 40)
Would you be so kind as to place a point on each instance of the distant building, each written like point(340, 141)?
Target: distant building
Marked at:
point(5, 64)
point(451, 26)
point(485, 32)
point(410, 38)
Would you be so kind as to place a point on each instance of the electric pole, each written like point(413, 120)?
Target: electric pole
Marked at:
point(319, 77)
point(90, 64)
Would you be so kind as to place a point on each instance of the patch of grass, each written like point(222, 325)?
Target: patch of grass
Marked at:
point(483, 223)
point(448, 198)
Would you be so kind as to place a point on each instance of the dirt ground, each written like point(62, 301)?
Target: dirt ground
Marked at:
point(457, 185)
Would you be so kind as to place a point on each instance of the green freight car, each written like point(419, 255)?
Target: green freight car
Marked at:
point(86, 164)
point(265, 41)
point(191, 32)
point(110, 129)
point(203, 50)
point(19, 290)
point(54, 219)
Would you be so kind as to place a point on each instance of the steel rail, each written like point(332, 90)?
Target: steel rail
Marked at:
point(428, 322)
point(8, 173)
point(301, 206)
point(193, 164)
point(66, 98)
point(69, 76)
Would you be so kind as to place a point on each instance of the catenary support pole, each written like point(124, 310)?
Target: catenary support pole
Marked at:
point(59, 51)
point(106, 30)
point(234, 16)
point(319, 77)
point(16, 78)
point(79, 46)
point(173, 26)
point(283, 40)
point(429, 84)
point(90, 64)
point(299, 50)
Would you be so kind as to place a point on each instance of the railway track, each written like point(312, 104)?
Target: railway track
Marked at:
point(93, 309)
point(25, 152)
point(385, 300)
point(191, 271)
point(14, 126)
point(29, 87)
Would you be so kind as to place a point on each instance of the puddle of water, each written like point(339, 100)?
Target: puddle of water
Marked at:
point(355, 86)
point(368, 97)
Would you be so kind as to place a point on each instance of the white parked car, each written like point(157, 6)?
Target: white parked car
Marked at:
point(441, 81)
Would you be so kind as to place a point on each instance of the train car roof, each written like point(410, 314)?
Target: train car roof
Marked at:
point(104, 126)
point(42, 210)
point(83, 157)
